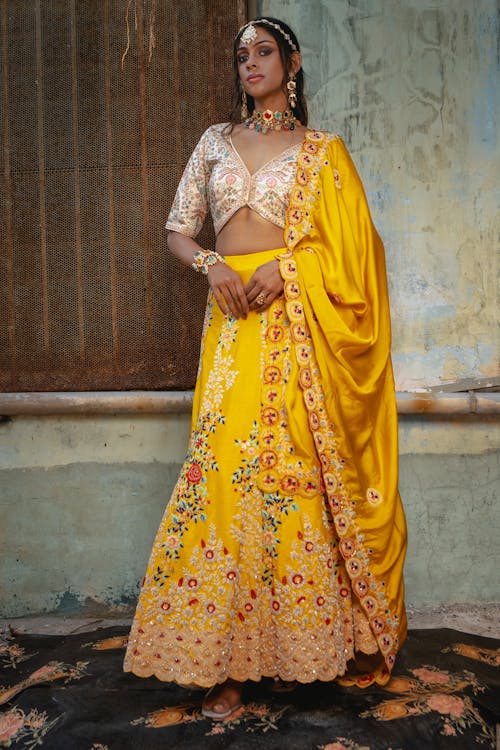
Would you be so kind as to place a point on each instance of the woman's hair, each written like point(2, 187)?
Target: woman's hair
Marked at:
point(285, 50)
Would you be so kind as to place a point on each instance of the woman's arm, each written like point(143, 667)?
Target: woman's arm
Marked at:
point(225, 283)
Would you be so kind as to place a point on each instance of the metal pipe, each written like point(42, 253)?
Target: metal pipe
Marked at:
point(97, 402)
point(180, 402)
point(451, 404)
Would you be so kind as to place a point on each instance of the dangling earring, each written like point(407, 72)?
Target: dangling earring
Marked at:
point(292, 91)
point(244, 106)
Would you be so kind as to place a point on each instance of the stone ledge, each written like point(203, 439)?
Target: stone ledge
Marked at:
point(480, 619)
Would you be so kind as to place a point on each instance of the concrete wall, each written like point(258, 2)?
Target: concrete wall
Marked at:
point(412, 87)
point(81, 499)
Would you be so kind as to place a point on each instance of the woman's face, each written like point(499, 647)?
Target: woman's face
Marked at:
point(259, 65)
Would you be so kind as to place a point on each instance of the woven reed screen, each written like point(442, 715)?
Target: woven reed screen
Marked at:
point(91, 156)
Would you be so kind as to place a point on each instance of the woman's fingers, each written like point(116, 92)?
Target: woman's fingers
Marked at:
point(262, 303)
point(239, 297)
point(230, 305)
point(220, 300)
point(251, 288)
point(242, 300)
point(264, 285)
point(260, 297)
point(228, 290)
point(234, 298)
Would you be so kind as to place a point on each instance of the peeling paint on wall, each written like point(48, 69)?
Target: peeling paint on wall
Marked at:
point(412, 88)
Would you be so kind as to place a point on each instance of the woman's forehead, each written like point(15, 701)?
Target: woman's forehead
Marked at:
point(262, 35)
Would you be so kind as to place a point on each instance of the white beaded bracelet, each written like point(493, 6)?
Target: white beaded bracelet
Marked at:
point(205, 258)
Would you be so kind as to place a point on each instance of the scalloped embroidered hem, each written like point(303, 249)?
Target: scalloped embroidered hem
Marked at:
point(159, 674)
point(186, 658)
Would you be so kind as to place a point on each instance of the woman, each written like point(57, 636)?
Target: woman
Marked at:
point(280, 553)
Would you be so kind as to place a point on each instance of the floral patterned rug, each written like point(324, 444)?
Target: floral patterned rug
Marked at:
point(69, 693)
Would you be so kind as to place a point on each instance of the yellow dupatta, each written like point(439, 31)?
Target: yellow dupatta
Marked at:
point(337, 302)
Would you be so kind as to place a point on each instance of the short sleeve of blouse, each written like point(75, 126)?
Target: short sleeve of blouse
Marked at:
point(190, 205)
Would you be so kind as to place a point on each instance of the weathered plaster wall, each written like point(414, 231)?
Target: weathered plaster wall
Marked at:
point(80, 502)
point(81, 499)
point(412, 87)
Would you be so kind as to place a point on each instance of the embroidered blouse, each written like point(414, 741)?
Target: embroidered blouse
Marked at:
point(216, 177)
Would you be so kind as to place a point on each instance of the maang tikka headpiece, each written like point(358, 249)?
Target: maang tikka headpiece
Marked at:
point(250, 33)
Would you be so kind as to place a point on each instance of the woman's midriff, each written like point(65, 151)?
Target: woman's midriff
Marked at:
point(247, 232)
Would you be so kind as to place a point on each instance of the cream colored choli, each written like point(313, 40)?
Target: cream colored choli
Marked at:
point(216, 177)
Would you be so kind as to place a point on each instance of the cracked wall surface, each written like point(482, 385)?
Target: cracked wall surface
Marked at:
point(411, 86)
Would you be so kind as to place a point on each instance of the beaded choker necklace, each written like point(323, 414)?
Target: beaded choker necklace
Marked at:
point(269, 120)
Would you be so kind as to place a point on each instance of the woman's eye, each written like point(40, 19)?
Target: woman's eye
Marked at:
point(242, 58)
point(265, 51)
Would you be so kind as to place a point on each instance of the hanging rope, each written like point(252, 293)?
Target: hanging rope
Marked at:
point(151, 26)
point(152, 22)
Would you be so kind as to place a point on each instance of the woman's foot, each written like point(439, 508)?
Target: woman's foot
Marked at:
point(364, 663)
point(222, 700)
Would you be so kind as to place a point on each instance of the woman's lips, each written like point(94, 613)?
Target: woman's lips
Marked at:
point(253, 78)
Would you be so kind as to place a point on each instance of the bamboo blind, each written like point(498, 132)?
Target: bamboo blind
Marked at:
point(91, 155)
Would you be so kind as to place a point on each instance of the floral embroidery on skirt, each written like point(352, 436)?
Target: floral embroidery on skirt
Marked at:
point(245, 578)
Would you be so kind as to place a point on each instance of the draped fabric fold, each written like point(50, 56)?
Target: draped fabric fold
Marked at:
point(337, 300)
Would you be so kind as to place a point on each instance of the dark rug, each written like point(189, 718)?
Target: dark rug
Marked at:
point(69, 693)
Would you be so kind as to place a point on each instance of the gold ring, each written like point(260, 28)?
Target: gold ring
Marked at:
point(260, 298)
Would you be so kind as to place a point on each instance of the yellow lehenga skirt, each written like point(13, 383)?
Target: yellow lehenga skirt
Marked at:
point(245, 578)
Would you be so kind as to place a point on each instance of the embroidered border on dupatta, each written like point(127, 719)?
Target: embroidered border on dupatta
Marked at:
point(370, 591)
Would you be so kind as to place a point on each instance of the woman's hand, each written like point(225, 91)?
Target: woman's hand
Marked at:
point(264, 286)
point(228, 290)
